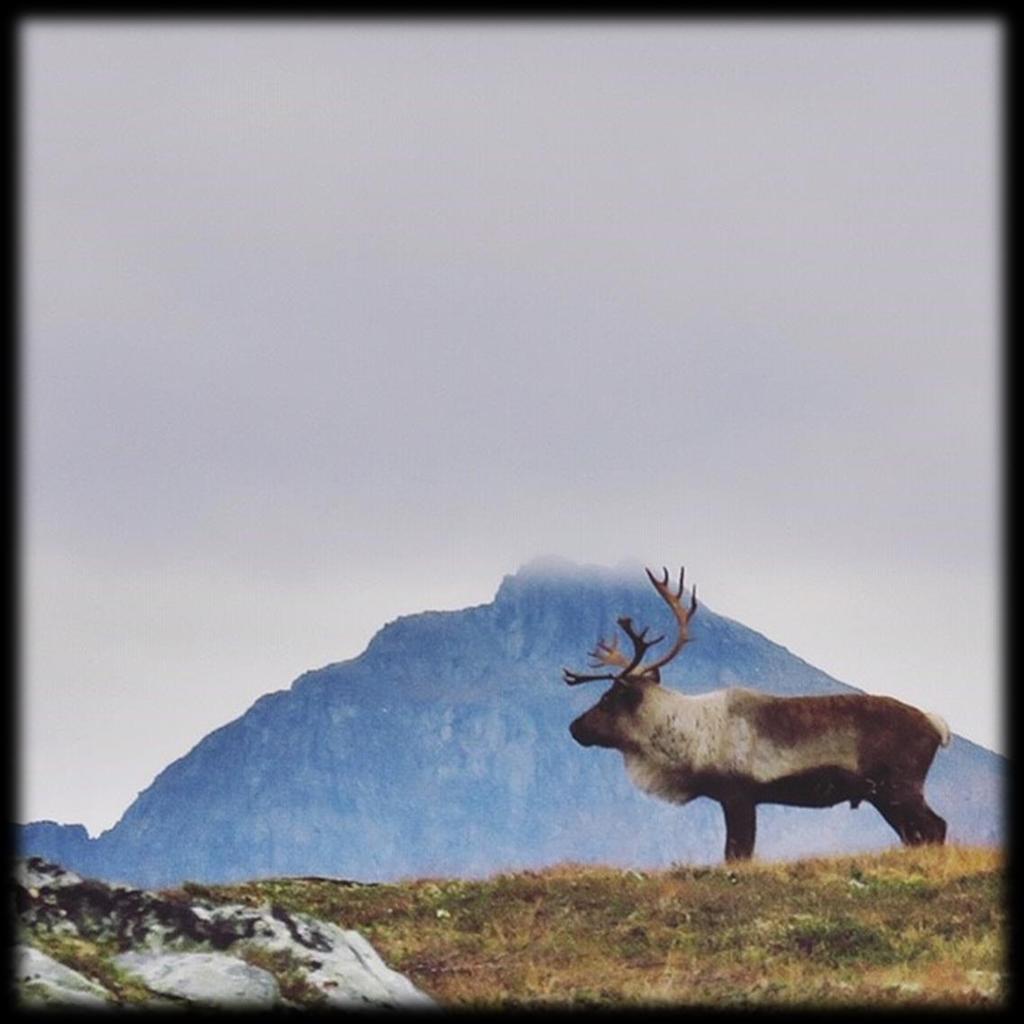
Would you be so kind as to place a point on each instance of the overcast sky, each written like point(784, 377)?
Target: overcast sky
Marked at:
point(329, 322)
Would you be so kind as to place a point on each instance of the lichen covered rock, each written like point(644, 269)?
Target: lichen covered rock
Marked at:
point(191, 952)
point(215, 980)
point(43, 981)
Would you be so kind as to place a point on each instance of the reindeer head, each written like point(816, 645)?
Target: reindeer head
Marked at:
point(606, 723)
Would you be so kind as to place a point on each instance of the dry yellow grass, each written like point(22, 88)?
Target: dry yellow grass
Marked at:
point(906, 927)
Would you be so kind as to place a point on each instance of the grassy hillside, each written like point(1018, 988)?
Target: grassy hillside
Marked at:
point(901, 928)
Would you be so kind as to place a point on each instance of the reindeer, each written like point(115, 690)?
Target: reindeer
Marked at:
point(744, 748)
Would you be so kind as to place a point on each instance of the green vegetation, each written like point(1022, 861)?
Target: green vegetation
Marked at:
point(94, 960)
point(907, 927)
point(286, 969)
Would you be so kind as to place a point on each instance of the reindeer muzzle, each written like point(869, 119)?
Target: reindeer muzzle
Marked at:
point(580, 735)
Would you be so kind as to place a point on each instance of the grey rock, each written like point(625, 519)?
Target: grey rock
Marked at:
point(42, 981)
point(354, 974)
point(215, 980)
point(195, 950)
point(35, 874)
point(338, 962)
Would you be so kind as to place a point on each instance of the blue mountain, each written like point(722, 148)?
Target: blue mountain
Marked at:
point(443, 749)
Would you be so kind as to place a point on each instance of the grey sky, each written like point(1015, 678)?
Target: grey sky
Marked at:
point(328, 322)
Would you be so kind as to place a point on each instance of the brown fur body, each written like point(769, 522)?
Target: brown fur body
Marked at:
point(742, 748)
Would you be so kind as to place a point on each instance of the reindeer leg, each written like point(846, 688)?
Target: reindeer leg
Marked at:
point(895, 813)
point(928, 825)
point(913, 820)
point(740, 827)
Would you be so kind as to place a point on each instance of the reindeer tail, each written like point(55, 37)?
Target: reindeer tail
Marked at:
point(940, 727)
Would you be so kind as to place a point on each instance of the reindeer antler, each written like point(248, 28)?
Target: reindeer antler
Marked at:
point(640, 645)
point(606, 653)
point(683, 616)
point(575, 678)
